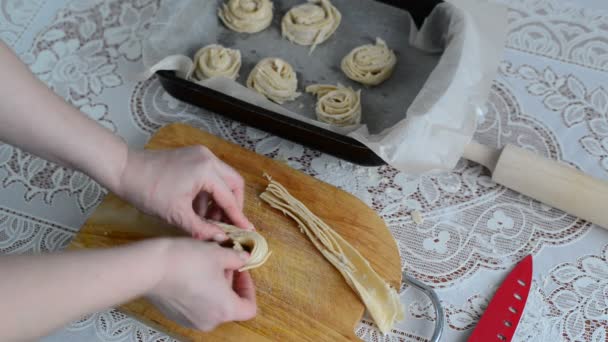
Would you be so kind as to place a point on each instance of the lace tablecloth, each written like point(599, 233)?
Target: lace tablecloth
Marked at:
point(550, 96)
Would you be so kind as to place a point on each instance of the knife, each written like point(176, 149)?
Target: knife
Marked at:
point(499, 321)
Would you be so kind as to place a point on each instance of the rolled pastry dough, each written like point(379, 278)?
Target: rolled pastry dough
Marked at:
point(381, 300)
point(311, 23)
point(337, 105)
point(248, 16)
point(370, 64)
point(275, 79)
point(253, 242)
point(216, 60)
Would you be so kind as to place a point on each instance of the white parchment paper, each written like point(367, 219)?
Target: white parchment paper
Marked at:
point(420, 120)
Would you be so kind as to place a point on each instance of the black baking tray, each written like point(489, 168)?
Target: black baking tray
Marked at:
point(295, 130)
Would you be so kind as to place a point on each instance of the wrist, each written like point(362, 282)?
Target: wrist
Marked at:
point(115, 180)
point(124, 179)
point(160, 252)
point(105, 162)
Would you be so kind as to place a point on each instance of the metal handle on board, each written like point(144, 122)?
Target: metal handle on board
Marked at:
point(429, 292)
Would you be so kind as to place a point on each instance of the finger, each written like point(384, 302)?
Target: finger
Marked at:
point(200, 205)
point(234, 181)
point(236, 184)
point(243, 285)
point(230, 259)
point(229, 275)
point(215, 213)
point(225, 199)
point(204, 230)
point(244, 303)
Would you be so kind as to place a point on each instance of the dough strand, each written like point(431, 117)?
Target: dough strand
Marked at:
point(370, 64)
point(275, 79)
point(381, 300)
point(247, 16)
point(311, 23)
point(216, 60)
point(253, 242)
point(337, 105)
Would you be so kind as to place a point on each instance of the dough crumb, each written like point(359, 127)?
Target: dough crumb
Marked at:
point(417, 217)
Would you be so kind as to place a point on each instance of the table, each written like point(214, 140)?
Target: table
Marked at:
point(550, 96)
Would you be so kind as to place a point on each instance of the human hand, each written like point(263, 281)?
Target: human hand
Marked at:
point(184, 186)
point(200, 287)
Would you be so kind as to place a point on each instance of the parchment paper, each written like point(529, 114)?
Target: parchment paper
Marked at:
point(419, 120)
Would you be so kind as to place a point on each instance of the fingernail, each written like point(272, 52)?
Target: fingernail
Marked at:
point(244, 256)
point(251, 226)
point(220, 237)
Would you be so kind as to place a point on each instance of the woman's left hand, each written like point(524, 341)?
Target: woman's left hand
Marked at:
point(185, 186)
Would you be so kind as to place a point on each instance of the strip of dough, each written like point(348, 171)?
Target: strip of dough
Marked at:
point(337, 105)
point(216, 60)
point(370, 64)
point(248, 16)
point(275, 79)
point(311, 23)
point(381, 300)
point(253, 242)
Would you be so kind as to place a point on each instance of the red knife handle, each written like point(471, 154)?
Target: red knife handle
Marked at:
point(499, 321)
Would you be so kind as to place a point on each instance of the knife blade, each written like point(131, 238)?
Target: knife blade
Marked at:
point(499, 321)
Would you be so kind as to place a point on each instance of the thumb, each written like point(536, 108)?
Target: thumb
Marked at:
point(205, 230)
point(225, 199)
point(231, 259)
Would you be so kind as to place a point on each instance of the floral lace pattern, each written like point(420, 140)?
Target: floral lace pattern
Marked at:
point(21, 233)
point(76, 56)
point(548, 98)
point(581, 299)
point(577, 105)
point(15, 17)
point(559, 31)
point(113, 325)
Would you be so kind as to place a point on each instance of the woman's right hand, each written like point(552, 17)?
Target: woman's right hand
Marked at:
point(201, 286)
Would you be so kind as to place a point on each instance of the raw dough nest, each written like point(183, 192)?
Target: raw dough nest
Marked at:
point(337, 105)
point(370, 64)
point(216, 60)
point(275, 79)
point(311, 23)
point(244, 240)
point(248, 16)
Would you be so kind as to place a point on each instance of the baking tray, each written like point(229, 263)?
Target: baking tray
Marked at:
point(289, 128)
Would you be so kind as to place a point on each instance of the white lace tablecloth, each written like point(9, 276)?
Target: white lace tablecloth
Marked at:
point(550, 96)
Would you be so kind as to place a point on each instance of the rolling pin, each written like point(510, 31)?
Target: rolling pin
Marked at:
point(548, 181)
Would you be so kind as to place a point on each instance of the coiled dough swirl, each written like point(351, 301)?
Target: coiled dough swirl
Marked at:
point(216, 60)
point(275, 79)
point(253, 242)
point(248, 16)
point(337, 105)
point(370, 64)
point(311, 23)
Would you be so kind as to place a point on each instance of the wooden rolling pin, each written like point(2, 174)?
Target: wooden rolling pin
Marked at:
point(548, 181)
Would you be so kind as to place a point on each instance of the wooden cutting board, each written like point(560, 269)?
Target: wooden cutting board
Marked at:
point(301, 297)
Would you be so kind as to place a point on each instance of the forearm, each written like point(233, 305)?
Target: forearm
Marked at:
point(35, 119)
point(42, 293)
